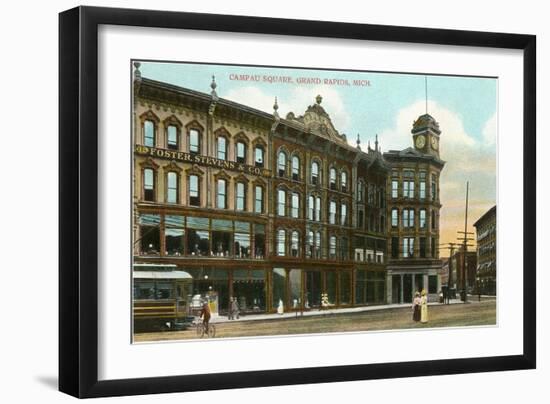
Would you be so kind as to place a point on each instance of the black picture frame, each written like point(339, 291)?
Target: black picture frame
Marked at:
point(78, 196)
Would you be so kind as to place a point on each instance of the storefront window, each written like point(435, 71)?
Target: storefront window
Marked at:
point(345, 287)
point(295, 278)
point(330, 286)
point(313, 289)
point(249, 289)
point(149, 233)
point(278, 287)
point(259, 241)
point(432, 284)
point(360, 287)
point(174, 234)
point(198, 238)
point(376, 286)
point(222, 237)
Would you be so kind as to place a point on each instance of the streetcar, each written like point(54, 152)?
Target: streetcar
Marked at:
point(161, 297)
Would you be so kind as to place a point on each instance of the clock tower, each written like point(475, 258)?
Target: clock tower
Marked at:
point(426, 134)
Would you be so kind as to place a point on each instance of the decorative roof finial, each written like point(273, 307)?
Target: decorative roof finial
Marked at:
point(137, 73)
point(319, 99)
point(368, 145)
point(358, 141)
point(275, 108)
point(213, 86)
point(376, 143)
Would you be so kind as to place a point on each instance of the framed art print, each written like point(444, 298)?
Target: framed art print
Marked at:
point(248, 201)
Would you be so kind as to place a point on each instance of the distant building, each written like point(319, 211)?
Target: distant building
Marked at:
point(456, 265)
point(486, 236)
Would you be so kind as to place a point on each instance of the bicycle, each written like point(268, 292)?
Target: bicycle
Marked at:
point(200, 329)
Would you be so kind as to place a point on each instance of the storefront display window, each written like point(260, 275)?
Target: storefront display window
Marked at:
point(259, 241)
point(174, 235)
point(295, 278)
point(330, 286)
point(278, 286)
point(249, 288)
point(222, 238)
point(149, 230)
point(345, 287)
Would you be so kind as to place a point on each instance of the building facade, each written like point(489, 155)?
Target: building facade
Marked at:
point(486, 236)
point(275, 212)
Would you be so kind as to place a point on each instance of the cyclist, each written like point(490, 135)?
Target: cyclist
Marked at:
point(205, 315)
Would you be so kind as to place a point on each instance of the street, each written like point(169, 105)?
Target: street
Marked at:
point(455, 315)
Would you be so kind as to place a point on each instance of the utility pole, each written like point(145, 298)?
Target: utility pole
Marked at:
point(465, 246)
point(451, 248)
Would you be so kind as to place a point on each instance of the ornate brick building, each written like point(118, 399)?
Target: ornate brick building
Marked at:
point(278, 211)
point(486, 236)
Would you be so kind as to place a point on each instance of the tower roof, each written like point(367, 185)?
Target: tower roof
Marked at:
point(425, 122)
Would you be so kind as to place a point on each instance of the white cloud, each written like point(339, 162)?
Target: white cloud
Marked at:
point(253, 97)
point(490, 131)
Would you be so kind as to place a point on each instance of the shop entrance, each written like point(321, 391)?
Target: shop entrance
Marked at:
point(250, 295)
point(396, 289)
point(407, 289)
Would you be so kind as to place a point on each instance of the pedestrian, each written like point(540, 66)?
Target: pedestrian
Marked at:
point(205, 314)
point(416, 307)
point(235, 308)
point(424, 307)
point(230, 313)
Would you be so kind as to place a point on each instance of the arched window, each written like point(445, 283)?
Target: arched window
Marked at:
point(311, 208)
point(221, 193)
point(194, 141)
point(315, 173)
point(259, 156)
point(332, 212)
point(149, 184)
point(295, 211)
point(172, 140)
point(332, 178)
point(172, 188)
point(344, 214)
point(281, 164)
point(318, 208)
point(281, 202)
point(240, 196)
point(194, 190)
point(332, 247)
point(149, 133)
point(360, 194)
point(222, 148)
point(295, 168)
point(344, 181)
point(295, 244)
point(281, 242)
point(240, 152)
point(394, 217)
point(259, 199)
point(318, 245)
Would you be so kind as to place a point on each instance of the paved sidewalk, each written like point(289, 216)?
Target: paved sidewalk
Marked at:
point(325, 312)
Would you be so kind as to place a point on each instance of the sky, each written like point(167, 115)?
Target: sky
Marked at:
point(385, 104)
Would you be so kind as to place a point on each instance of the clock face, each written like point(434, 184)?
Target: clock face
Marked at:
point(434, 143)
point(420, 141)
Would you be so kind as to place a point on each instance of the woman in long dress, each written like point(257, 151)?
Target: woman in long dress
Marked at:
point(416, 307)
point(424, 307)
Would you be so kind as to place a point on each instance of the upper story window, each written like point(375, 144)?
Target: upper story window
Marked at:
point(194, 141)
point(172, 137)
point(309, 244)
point(332, 178)
point(318, 244)
point(240, 196)
point(433, 220)
point(332, 212)
point(295, 244)
point(258, 156)
point(281, 164)
point(295, 205)
point(281, 242)
point(149, 184)
point(422, 185)
point(344, 181)
point(222, 148)
point(408, 218)
point(394, 189)
point(149, 133)
point(315, 173)
point(311, 208)
point(172, 188)
point(318, 208)
point(221, 194)
point(394, 217)
point(240, 152)
point(408, 247)
point(434, 187)
point(281, 202)
point(194, 191)
point(360, 191)
point(332, 247)
point(343, 214)
point(259, 199)
point(295, 168)
point(422, 218)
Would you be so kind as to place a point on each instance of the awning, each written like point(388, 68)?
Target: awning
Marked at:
point(161, 275)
